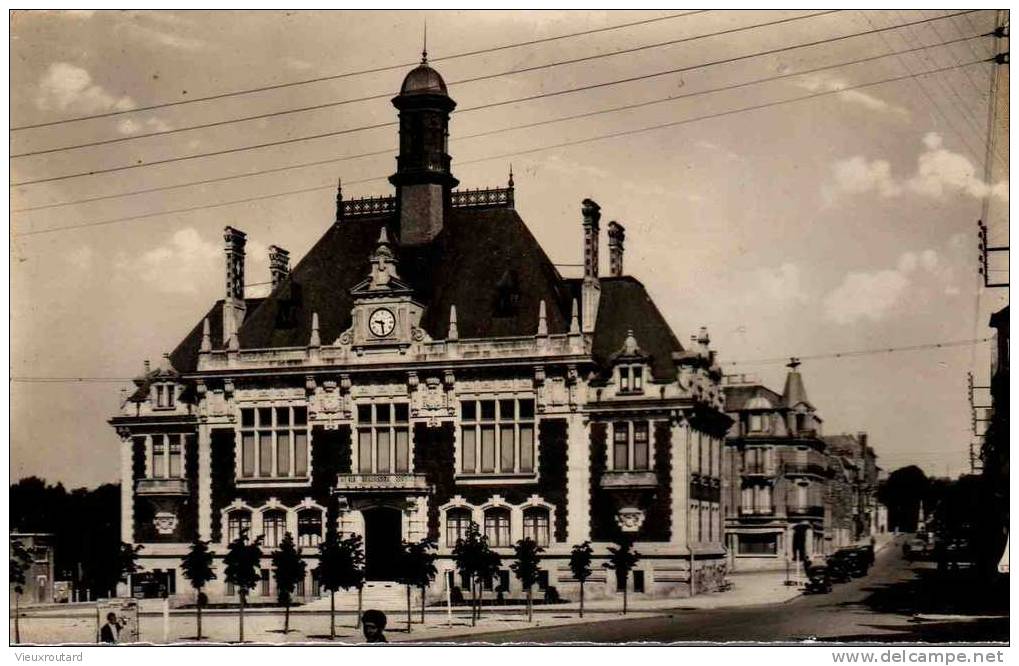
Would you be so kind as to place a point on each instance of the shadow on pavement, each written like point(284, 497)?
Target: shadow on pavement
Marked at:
point(963, 592)
point(963, 631)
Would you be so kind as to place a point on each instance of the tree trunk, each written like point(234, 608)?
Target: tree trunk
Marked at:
point(624, 596)
point(332, 614)
point(422, 604)
point(408, 608)
point(360, 592)
point(243, 595)
point(17, 613)
point(582, 599)
point(286, 617)
point(198, 636)
point(530, 610)
point(474, 602)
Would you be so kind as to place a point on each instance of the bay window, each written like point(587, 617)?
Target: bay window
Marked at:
point(631, 446)
point(274, 442)
point(166, 456)
point(497, 436)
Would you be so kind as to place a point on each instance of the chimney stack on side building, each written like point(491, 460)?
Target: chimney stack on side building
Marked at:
point(279, 265)
point(591, 289)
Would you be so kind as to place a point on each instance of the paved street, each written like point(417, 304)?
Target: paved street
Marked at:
point(878, 608)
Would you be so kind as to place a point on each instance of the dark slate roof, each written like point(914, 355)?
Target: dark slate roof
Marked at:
point(794, 392)
point(844, 444)
point(185, 357)
point(736, 397)
point(482, 257)
point(625, 305)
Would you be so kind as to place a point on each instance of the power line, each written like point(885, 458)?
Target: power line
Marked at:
point(784, 359)
point(512, 154)
point(489, 105)
point(374, 70)
point(474, 79)
point(588, 114)
point(864, 352)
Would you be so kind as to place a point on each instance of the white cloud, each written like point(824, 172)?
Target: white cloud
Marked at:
point(875, 295)
point(133, 126)
point(186, 262)
point(782, 284)
point(820, 83)
point(67, 87)
point(856, 175)
point(939, 172)
point(162, 37)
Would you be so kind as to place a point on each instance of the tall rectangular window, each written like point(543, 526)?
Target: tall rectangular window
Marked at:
point(624, 379)
point(175, 456)
point(158, 457)
point(621, 445)
point(274, 442)
point(497, 436)
point(641, 459)
point(383, 438)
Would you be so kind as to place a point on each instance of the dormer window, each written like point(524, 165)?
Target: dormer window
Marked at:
point(631, 379)
point(166, 396)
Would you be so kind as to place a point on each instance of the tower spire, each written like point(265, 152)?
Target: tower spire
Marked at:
point(424, 46)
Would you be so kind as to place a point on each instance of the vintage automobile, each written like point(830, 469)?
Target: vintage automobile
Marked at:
point(918, 549)
point(818, 581)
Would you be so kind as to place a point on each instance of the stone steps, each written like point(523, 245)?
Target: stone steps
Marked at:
point(381, 595)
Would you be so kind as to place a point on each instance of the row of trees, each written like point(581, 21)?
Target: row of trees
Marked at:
point(341, 567)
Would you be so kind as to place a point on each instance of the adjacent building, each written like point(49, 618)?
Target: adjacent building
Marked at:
point(38, 587)
point(425, 366)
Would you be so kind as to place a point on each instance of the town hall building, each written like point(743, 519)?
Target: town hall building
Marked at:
point(424, 367)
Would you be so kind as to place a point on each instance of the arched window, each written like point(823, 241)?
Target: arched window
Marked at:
point(457, 521)
point(309, 527)
point(274, 526)
point(497, 527)
point(238, 524)
point(536, 525)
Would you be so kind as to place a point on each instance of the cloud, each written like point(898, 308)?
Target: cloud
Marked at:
point(939, 173)
point(875, 295)
point(782, 284)
point(133, 126)
point(820, 84)
point(67, 87)
point(186, 262)
point(159, 36)
point(857, 176)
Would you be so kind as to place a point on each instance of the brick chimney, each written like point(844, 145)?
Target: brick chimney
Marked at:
point(233, 305)
point(591, 289)
point(617, 234)
point(279, 265)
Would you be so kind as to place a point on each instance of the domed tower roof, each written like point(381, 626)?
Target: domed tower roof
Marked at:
point(423, 80)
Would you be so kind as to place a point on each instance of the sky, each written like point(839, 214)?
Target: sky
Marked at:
point(846, 221)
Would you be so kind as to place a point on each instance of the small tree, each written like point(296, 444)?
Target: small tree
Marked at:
point(196, 566)
point(21, 562)
point(288, 570)
point(476, 562)
point(417, 569)
point(526, 568)
point(580, 566)
point(241, 570)
point(340, 566)
point(622, 559)
point(127, 562)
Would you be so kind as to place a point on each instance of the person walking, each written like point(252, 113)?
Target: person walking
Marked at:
point(373, 623)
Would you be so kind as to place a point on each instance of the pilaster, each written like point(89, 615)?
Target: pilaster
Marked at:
point(126, 486)
point(680, 480)
point(204, 483)
point(578, 475)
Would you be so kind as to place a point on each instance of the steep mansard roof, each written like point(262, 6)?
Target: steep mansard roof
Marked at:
point(482, 259)
point(737, 397)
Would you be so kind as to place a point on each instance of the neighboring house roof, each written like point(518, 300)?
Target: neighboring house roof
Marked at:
point(738, 398)
point(794, 392)
point(844, 444)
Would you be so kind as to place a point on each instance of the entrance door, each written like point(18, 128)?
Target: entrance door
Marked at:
point(382, 542)
point(800, 543)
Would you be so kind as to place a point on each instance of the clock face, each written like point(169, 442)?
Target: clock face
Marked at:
point(381, 322)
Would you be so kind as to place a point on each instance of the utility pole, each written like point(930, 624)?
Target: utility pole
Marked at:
point(974, 454)
point(985, 251)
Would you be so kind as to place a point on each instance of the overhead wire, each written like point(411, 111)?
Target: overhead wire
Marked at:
point(543, 95)
point(565, 144)
point(373, 70)
point(485, 133)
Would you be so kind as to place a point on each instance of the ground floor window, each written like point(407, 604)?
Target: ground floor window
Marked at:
point(457, 521)
point(638, 581)
point(536, 525)
point(265, 583)
point(757, 544)
point(497, 528)
point(238, 524)
point(309, 528)
point(274, 526)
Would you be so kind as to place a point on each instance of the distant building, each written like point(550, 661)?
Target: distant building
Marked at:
point(423, 367)
point(994, 453)
point(38, 586)
point(777, 474)
point(857, 462)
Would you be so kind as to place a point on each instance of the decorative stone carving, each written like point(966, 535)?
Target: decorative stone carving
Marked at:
point(629, 519)
point(330, 397)
point(165, 522)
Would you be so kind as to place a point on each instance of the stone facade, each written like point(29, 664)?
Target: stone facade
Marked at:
point(401, 390)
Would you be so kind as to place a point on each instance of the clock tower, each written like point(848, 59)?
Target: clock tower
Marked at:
point(385, 315)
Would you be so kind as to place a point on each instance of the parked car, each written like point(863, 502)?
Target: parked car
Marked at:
point(838, 569)
point(818, 581)
point(853, 560)
point(918, 550)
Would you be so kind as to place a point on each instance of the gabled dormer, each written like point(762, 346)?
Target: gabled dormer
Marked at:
point(630, 367)
point(385, 314)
